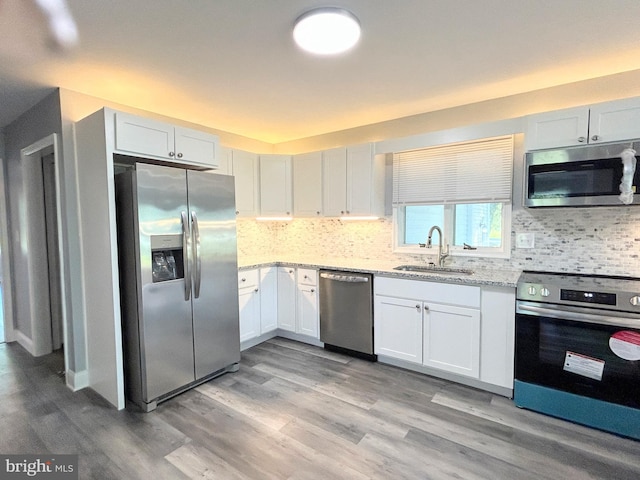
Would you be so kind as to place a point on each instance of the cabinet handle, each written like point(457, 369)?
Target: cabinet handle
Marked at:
point(418, 307)
point(426, 308)
point(171, 154)
point(348, 212)
point(595, 138)
point(179, 155)
point(581, 139)
point(243, 279)
point(313, 290)
point(318, 213)
point(290, 271)
point(288, 213)
point(237, 212)
point(341, 212)
point(256, 290)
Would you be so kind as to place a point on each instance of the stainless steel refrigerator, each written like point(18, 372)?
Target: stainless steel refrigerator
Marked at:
point(178, 279)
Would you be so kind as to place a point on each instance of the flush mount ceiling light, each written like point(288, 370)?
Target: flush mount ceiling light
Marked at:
point(326, 31)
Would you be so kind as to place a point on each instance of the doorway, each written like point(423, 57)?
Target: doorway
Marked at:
point(44, 268)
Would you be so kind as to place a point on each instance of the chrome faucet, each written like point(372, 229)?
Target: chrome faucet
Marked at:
point(441, 254)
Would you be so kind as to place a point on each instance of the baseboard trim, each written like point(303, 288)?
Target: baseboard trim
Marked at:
point(299, 337)
point(77, 380)
point(470, 382)
point(252, 342)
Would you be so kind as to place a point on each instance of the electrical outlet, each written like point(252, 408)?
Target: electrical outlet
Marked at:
point(525, 240)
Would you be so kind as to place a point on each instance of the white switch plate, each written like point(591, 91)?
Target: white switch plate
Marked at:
point(525, 240)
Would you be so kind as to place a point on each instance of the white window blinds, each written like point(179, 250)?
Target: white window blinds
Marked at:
point(470, 172)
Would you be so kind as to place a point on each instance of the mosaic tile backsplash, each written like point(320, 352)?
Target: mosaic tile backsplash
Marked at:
point(602, 240)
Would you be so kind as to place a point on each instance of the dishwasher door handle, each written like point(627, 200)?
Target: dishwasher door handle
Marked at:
point(344, 278)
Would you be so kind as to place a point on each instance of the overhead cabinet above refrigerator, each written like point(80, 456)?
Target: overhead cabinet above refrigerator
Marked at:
point(177, 249)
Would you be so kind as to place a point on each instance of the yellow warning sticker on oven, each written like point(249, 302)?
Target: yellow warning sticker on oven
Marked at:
point(626, 344)
point(582, 365)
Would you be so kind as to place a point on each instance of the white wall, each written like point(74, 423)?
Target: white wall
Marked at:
point(24, 227)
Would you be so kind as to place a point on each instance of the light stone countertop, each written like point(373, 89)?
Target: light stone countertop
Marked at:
point(500, 278)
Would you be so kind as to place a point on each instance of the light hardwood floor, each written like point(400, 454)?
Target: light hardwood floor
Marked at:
point(295, 411)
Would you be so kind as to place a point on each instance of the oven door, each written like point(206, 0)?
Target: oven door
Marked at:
point(582, 351)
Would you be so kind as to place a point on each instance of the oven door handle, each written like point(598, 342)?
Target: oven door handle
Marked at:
point(578, 314)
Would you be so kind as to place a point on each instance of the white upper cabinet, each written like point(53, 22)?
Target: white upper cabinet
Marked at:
point(245, 170)
point(154, 139)
point(307, 184)
point(353, 182)
point(275, 185)
point(602, 123)
point(365, 181)
point(334, 182)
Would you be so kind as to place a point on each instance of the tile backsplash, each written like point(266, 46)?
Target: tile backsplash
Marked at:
point(602, 240)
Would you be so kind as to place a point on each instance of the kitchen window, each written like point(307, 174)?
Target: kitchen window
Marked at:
point(464, 188)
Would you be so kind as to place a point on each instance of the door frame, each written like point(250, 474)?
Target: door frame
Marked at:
point(5, 245)
point(41, 330)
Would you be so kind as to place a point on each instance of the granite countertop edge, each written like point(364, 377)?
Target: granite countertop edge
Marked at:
point(491, 277)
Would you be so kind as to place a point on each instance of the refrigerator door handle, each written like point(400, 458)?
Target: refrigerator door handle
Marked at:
point(197, 274)
point(186, 246)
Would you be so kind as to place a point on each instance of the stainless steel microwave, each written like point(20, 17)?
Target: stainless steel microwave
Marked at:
point(589, 175)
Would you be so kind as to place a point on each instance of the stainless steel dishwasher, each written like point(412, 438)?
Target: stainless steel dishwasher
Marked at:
point(346, 312)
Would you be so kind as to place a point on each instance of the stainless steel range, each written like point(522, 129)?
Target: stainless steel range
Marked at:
point(578, 349)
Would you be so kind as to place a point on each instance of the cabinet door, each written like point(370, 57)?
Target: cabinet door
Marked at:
point(245, 171)
point(359, 179)
point(615, 121)
point(268, 299)
point(334, 182)
point(307, 185)
point(194, 147)
point(398, 328)
point(452, 339)
point(144, 136)
point(275, 185)
point(560, 128)
point(249, 304)
point(307, 319)
point(287, 298)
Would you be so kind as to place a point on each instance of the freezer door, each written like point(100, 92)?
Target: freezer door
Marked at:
point(215, 271)
point(166, 335)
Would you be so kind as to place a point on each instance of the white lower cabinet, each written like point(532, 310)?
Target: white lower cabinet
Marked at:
point(461, 329)
point(249, 304)
point(287, 298)
point(298, 301)
point(307, 318)
point(451, 339)
point(268, 299)
point(398, 328)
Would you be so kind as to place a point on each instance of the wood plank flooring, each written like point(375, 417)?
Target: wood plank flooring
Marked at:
point(294, 411)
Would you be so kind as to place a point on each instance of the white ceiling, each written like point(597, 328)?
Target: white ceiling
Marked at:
point(232, 64)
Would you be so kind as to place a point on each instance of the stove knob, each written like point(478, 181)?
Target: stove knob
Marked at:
point(532, 290)
point(545, 292)
point(635, 301)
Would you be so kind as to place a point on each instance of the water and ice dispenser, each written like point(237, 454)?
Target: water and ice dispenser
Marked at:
point(167, 262)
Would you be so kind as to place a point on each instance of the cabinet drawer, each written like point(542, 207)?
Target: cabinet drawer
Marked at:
point(307, 276)
point(248, 278)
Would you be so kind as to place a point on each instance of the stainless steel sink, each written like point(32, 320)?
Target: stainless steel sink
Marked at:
point(433, 269)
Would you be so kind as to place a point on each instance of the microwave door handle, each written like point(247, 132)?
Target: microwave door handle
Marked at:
point(577, 314)
point(186, 246)
point(197, 274)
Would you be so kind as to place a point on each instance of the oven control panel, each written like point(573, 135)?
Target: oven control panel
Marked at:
point(610, 293)
point(588, 297)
